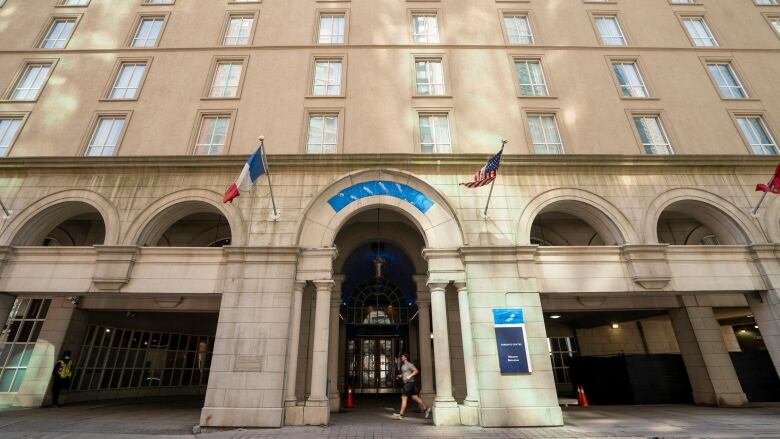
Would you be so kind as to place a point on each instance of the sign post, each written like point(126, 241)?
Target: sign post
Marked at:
point(511, 340)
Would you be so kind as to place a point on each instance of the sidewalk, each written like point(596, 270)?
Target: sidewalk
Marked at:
point(175, 418)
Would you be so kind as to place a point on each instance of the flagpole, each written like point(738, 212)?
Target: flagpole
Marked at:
point(490, 194)
point(755, 211)
point(275, 216)
point(6, 213)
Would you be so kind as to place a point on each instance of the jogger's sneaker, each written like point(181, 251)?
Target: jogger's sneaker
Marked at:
point(427, 413)
point(398, 416)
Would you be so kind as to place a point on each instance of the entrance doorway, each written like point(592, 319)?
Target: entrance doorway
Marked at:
point(372, 364)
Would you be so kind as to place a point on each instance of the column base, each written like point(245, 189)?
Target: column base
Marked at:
point(335, 403)
point(521, 417)
point(241, 417)
point(446, 413)
point(316, 412)
point(469, 414)
point(737, 399)
point(293, 415)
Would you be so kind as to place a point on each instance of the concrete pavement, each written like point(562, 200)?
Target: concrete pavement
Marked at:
point(175, 418)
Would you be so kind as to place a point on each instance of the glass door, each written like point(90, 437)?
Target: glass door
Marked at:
point(372, 364)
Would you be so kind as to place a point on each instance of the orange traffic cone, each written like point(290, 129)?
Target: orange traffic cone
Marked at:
point(582, 400)
point(350, 404)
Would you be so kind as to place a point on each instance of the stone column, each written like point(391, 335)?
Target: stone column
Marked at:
point(445, 409)
point(317, 411)
point(424, 336)
point(333, 347)
point(293, 416)
point(468, 417)
point(765, 305)
point(712, 375)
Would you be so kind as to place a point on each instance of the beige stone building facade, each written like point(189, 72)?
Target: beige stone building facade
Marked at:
point(622, 221)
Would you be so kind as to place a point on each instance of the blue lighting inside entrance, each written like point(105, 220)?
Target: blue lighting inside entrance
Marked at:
point(381, 187)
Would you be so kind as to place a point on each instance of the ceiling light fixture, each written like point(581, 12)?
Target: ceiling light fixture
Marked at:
point(555, 316)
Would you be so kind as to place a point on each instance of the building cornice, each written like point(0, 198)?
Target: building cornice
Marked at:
point(449, 162)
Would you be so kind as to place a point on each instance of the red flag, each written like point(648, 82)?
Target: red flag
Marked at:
point(774, 184)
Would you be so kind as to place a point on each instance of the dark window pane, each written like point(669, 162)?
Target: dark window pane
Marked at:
point(44, 308)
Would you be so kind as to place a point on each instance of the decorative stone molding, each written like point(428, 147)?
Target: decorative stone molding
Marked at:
point(6, 251)
point(113, 266)
point(648, 265)
point(316, 264)
point(444, 265)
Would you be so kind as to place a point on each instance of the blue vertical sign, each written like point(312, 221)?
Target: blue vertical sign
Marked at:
point(511, 340)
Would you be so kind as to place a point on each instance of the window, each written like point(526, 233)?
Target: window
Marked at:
point(148, 32)
point(9, 128)
point(323, 134)
point(518, 29)
point(24, 325)
point(629, 79)
point(545, 136)
point(331, 29)
point(31, 82)
point(226, 79)
point(429, 77)
point(435, 134)
point(531, 78)
point(327, 77)
point(757, 135)
point(105, 138)
point(116, 358)
point(699, 32)
point(212, 134)
point(128, 80)
point(775, 23)
point(652, 134)
point(727, 81)
point(609, 30)
point(683, 2)
point(58, 34)
point(159, 2)
point(74, 3)
point(562, 351)
point(238, 30)
point(425, 28)
point(766, 2)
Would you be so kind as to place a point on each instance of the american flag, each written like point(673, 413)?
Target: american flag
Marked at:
point(488, 172)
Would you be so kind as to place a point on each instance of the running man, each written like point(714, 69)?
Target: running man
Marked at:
point(408, 374)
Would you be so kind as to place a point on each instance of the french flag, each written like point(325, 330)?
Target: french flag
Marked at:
point(253, 169)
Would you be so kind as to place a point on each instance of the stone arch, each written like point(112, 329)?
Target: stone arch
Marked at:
point(163, 213)
point(606, 219)
point(47, 213)
point(321, 222)
point(722, 217)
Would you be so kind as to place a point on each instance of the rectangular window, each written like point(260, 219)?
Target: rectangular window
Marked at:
point(31, 82)
point(775, 23)
point(630, 80)
point(58, 34)
point(425, 28)
point(105, 138)
point(766, 2)
point(128, 80)
point(727, 81)
point(331, 29)
point(609, 30)
point(544, 134)
point(159, 2)
point(652, 134)
point(323, 134)
point(531, 78)
point(699, 32)
point(562, 351)
point(74, 3)
point(429, 77)
point(226, 79)
point(435, 134)
point(212, 134)
point(518, 29)
point(23, 325)
point(148, 32)
point(327, 77)
point(683, 2)
point(9, 128)
point(238, 30)
point(755, 131)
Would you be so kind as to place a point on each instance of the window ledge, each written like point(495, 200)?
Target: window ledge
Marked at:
point(117, 100)
point(18, 101)
point(536, 97)
point(216, 98)
point(740, 99)
point(638, 98)
point(325, 97)
point(432, 97)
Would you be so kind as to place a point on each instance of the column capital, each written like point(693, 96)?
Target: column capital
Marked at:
point(433, 286)
point(299, 285)
point(323, 284)
point(461, 286)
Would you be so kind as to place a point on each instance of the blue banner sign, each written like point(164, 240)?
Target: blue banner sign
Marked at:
point(380, 187)
point(511, 340)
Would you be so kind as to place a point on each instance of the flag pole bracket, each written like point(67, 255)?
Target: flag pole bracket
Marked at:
point(274, 215)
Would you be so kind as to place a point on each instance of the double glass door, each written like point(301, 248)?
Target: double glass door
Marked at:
point(373, 364)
